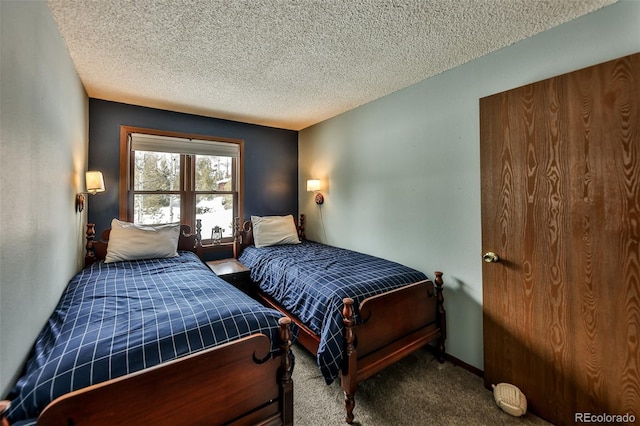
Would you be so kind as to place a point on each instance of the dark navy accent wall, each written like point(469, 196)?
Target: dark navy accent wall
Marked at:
point(270, 163)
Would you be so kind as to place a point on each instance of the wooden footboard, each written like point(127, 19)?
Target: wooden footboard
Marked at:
point(393, 325)
point(238, 383)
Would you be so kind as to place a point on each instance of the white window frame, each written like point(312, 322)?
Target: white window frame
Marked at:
point(187, 145)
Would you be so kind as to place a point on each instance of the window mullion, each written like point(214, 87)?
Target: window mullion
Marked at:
point(187, 190)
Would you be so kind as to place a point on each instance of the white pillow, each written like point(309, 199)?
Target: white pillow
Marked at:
point(274, 230)
point(130, 241)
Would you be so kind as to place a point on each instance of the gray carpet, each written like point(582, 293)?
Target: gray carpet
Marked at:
point(415, 391)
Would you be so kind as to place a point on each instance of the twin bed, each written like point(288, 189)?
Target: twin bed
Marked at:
point(357, 313)
point(159, 339)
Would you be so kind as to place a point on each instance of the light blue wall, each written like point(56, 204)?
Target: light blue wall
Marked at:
point(43, 156)
point(402, 173)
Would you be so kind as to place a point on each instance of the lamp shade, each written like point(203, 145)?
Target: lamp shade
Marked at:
point(94, 182)
point(313, 185)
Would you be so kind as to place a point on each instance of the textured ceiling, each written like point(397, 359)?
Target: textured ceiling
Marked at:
point(285, 63)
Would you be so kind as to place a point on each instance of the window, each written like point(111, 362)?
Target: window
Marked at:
point(171, 177)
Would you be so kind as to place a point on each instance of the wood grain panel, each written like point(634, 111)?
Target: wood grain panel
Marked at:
point(560, 164)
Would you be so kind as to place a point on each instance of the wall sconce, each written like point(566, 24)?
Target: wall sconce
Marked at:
point(94, 183)
point(313, 185)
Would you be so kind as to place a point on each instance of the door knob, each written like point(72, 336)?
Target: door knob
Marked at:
point(490, 257)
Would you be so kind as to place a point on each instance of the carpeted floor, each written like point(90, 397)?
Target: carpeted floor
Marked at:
point(415, 391)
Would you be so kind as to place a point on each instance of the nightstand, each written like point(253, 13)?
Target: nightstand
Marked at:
point(233, 272)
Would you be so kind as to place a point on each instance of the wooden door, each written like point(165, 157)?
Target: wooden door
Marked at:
point(560, 168)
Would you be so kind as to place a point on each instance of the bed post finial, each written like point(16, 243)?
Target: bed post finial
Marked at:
point(90, 255)
point(199, 229)
point(237, 237)
point(301, 235)
point(198, 239)
point(349, 369)
point(285, 348)
point(441, 317)
point(4, 406)
point(286, 384)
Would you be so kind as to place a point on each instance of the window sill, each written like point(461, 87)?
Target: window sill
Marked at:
point(222, 246)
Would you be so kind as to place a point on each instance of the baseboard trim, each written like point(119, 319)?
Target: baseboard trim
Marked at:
point(459, 363)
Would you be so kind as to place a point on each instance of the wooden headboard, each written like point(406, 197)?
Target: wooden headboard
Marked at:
point(243, 235)
point(97, 249)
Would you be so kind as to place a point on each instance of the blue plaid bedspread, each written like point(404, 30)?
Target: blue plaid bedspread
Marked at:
point(310, 280)
point(118, 318)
